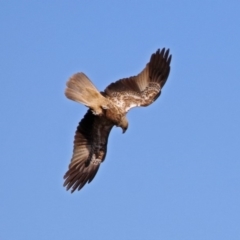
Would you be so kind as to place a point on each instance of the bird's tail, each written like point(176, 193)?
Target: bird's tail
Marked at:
point(81, 89)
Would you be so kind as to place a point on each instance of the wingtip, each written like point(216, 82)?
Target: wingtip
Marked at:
point(169, 59)
point(77, 178)
point(164, 52)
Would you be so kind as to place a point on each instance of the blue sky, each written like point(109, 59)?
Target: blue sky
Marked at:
point(175, 174)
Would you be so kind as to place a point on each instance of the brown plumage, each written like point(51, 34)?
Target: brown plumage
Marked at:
point(108, 109)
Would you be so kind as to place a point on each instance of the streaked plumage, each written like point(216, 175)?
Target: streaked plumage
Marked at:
point(108, 109)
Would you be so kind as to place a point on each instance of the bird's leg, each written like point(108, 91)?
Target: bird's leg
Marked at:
point(97, 110)
point(105, 107)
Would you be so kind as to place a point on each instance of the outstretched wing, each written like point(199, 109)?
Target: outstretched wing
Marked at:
point(145, 88)
point(90, 148)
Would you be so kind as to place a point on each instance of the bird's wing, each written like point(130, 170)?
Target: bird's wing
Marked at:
point(90, 148)
point(145, 88)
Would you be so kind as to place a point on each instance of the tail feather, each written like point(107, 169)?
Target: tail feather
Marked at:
point(81, 89)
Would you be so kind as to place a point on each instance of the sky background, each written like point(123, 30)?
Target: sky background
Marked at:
point(175, 174)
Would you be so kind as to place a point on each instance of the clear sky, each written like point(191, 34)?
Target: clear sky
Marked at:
point(175, 174)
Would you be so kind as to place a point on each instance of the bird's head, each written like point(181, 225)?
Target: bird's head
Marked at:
point(123, 124)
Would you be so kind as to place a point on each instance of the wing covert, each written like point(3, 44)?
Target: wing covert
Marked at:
point(145, 88)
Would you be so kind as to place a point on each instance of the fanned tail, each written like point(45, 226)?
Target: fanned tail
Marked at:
point(81, 89)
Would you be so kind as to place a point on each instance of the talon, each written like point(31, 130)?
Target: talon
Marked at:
point(94, 112)
point(105, 107)
point(98, 113)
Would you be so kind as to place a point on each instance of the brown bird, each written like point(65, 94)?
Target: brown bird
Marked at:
point(108, 109)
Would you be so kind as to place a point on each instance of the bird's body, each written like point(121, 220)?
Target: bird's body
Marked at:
point(108, 109)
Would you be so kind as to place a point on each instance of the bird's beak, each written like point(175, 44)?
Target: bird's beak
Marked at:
point(124, 130)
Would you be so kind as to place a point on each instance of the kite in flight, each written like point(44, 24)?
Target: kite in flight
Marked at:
point(108, 109)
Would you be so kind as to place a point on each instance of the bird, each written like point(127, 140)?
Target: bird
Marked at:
point(108, 109)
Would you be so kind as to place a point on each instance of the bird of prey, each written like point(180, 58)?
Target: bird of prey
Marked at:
point(108, 109)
